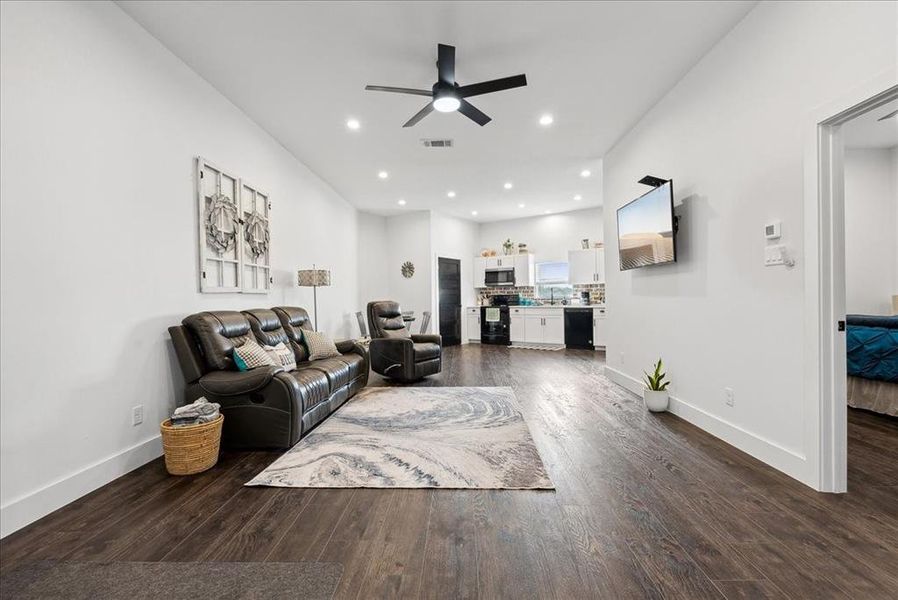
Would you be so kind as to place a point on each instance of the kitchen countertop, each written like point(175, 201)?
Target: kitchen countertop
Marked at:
point(553, 306)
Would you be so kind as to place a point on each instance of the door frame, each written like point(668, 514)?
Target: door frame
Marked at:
point(825, 389)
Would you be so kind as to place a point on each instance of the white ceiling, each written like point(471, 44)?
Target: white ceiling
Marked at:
point(299, 70)
point(867, 131)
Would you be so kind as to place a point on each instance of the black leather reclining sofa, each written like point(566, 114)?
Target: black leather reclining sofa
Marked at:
point(266, 407)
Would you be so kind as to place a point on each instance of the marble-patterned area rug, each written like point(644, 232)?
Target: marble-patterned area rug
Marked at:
point(452, 437)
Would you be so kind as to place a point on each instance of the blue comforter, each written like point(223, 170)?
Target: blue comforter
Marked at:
point(873, 347)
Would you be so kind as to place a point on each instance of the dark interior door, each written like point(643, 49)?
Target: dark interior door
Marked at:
point(449, 276)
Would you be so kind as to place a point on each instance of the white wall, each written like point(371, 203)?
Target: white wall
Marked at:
point(99, 127)
point(373, 259)
point(730, 134)
point(454, 238)
point(894, 169)
point(408, 239)
point(871, 210)
point(549, 237)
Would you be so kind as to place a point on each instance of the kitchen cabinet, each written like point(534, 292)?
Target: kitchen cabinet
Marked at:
point(524, 270)
point(587, 266)
point(479, 272)
point(518, 330)
point(500, 262)
point(472, 322)
point(599, 327)
point(544, 326)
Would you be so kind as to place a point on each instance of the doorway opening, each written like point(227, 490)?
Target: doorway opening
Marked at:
point(837, 271)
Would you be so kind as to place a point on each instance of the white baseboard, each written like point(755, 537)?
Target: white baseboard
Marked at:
point(789, 462)
point(26, 509)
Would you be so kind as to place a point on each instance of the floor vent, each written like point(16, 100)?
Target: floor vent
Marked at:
point(436, 143)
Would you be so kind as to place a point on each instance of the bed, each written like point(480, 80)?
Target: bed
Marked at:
point(872, 344)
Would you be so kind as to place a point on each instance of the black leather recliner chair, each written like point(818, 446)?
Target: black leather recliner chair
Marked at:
point(266, 407)
point(394, 352)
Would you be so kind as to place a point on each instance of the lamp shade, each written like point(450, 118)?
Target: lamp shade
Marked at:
point(313, 278)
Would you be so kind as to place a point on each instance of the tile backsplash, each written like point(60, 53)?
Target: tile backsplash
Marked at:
point(596, 292)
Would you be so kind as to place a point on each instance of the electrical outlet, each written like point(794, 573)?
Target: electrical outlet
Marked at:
point(729, 396)
point(137, 415)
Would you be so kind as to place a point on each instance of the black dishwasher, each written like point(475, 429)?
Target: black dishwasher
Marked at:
point(578, 328)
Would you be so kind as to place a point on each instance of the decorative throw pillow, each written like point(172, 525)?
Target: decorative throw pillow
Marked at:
point(319, 345)
point(251, 355)
point(282, 355)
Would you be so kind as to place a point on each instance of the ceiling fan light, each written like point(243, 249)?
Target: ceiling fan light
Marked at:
point(447, 103)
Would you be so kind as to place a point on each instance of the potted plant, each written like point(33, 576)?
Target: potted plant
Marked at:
point(655, 392)
point(508, 247)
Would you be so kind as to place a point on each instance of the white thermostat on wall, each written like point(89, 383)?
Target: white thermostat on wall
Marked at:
point(774, 230)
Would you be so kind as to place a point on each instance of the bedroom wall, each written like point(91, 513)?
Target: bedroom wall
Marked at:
point(99, 128)
point(731, 135)
point(871, 222)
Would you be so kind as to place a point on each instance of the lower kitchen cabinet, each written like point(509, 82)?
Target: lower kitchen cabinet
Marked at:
point(518, 324)
point(543, 326)
point(472, 322)
point(600, 331)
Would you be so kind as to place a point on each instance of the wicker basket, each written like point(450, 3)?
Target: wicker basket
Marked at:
point(191, 449)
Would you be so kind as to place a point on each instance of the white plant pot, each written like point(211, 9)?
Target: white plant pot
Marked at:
point(656, 401)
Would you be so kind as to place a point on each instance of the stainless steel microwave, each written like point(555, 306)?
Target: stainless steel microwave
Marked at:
point(500, 277)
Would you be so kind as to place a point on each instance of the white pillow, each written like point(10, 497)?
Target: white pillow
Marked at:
point(282, 355)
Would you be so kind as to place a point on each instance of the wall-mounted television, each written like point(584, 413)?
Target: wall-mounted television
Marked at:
point(646, 229)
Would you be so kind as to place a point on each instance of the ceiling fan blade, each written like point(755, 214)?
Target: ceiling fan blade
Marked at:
point(446, 63)
point(494, 85)
point(398, 90)
point(888, 116)
point(420, 115)
point(473, 113)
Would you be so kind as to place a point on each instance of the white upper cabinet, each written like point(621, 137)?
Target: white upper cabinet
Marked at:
point(587, 266)
point(524, 270)
point(480, 271)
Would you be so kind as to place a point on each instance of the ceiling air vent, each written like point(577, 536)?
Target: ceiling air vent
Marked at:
point(436, 143)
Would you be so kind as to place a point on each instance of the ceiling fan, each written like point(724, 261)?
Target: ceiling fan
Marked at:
point(447, 96)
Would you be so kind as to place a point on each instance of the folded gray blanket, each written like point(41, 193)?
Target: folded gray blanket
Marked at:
point(201, 411)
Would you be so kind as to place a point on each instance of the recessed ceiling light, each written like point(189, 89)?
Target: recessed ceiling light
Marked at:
point(383, 174)
point(521, 205)
point(450, 194)
point(585, 173)
point(353, 124)
point(508, 185)
point(401, 202)
point(578, 197)
point(548, 212)
point(474, 213)
point(546, 120)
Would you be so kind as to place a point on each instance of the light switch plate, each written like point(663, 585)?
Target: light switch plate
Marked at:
point(774, 255)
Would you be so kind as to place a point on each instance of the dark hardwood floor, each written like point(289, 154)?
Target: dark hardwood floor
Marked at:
point(646, 506)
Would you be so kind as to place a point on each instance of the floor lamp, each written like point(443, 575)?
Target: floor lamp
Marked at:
point(313, 278)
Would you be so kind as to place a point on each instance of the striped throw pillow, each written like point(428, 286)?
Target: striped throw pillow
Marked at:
point(319, 345)
point(282, 355)
point(251, 356)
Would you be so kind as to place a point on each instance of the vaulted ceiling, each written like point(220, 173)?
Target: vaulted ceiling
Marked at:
point(299, 70)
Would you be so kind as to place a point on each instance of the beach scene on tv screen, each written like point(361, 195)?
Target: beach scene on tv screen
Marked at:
point(645, 230)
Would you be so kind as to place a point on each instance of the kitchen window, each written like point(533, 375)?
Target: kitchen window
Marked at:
point(553, 281)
